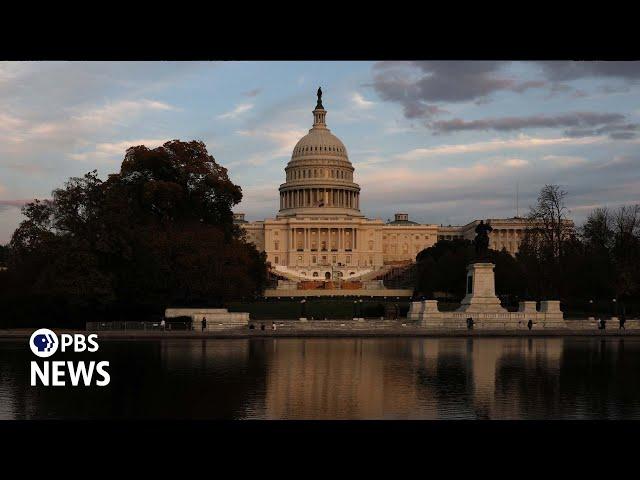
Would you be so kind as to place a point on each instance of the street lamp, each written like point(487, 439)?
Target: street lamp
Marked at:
point(303, 310)
point(360, 310)
point(615, 307)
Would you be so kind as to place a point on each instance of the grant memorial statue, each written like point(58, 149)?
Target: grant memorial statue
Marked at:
point(481, 242)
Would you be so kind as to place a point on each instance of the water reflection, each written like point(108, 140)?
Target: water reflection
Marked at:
point(437, 378)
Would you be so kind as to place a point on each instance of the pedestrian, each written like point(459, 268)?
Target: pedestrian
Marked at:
point(273, 326)
point(530, 324)
point(470, 323)
point(162, 324)
point(622, 322)
point(204, 323)
point(262, 326)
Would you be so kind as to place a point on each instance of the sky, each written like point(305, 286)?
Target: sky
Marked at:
point(446, 142)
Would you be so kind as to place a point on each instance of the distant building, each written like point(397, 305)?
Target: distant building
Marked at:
point(319, 231)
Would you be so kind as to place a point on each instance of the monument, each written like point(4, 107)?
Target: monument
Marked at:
point(480, 293)
point(480, 308)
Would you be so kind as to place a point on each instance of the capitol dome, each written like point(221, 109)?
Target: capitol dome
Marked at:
point(320, 141)
point(319, 176)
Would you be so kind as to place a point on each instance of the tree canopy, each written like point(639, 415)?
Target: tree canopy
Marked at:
point(443, 267)
point(599, 261)
point(158, 233)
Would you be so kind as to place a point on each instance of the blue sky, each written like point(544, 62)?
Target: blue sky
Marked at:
point(446, 142)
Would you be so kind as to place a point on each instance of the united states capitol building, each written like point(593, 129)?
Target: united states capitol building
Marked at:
point(320, 233)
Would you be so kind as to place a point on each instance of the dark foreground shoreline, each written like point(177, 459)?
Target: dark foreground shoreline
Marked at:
point(328, 333)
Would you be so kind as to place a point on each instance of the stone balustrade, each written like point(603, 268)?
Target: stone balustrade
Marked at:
point(217, 318)
point(549, 316)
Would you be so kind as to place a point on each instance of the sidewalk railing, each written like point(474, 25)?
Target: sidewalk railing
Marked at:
point(133, 325)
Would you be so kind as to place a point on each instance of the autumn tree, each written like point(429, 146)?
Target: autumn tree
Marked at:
point(160, 232)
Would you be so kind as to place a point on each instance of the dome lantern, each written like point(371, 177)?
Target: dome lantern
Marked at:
point(319, 114)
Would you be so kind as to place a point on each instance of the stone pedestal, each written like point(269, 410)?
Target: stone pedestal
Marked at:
point(550, 306)
point(527, 307)
point(415, 310)
point(430, 306)
point(481, 294)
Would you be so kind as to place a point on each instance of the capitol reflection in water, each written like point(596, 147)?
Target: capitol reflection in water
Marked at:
point(430, 378)
point(403, 378)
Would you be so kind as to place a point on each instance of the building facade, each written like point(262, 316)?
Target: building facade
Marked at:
point(320, 233)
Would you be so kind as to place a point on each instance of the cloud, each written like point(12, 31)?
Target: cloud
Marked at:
point(515, 162)
point(237, 111)
point(371, 161)
point(519, 143)
point(621, 161)
point(422, 87)
point(281, 140)
point(253, 93)
point(606, 123)
point(286, 138)
point(9, 122)
point(486, 188)
point(564, 160)
point(616, 131)
point(117, 112)
point(571, 70)
point(28, 168)
point(359, 101)
point(80, 122)
point(17, 203)
point(101, 152)
point(419, 86)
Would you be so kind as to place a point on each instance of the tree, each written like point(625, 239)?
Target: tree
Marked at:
point(548, 219)
point(442, 268)
point(594, 277)
point(626, 250)
point(542, 249)
point(597, 231)
point(4, 255)
point(158, 233)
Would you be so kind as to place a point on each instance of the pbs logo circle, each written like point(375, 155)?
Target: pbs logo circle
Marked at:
point(43, 342)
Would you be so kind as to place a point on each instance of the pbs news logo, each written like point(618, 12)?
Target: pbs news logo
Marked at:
point(58, 373)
